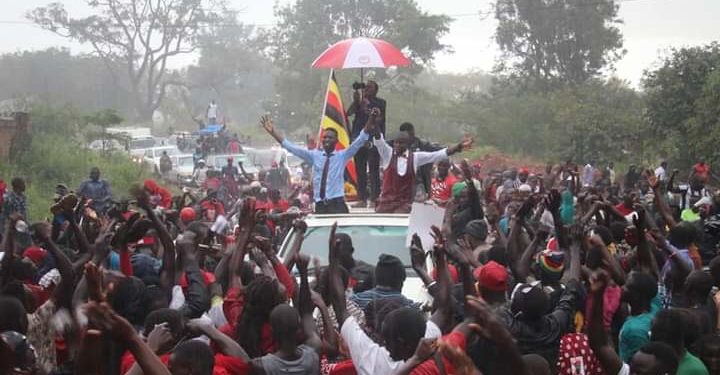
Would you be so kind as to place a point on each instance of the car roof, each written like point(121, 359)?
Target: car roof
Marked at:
point(358, 218)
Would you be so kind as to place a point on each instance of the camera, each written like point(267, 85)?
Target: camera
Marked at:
point(358, 85)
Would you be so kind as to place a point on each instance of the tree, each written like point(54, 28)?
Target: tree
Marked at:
point(307, 27)
point(683, 97)
point(140, 35)
point(550, 41)
point(55, 77)
point(231, 70)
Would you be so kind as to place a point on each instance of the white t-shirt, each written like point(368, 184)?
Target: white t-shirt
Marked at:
point(212, 111)
point(624, 370)
point(370, 358)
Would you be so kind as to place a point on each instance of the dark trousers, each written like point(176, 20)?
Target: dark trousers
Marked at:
point(331, 206)
point(367, 165)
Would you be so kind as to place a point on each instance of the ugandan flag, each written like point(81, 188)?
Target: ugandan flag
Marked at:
point(334, 118)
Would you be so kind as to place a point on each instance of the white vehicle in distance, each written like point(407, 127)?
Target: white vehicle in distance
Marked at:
point(151, 157)
point(217, 162)
point(183, 167)
point(372, 234)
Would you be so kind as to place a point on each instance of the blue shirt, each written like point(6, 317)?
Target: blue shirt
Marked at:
point(334, 185)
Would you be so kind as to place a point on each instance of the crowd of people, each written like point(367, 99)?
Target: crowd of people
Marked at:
point(573, 270)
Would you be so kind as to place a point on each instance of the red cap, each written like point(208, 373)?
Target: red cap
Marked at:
point(492, 276)
point(453, 273)
point(35, 254)
point(187, 215)
point(524, 170)
point(147, 240)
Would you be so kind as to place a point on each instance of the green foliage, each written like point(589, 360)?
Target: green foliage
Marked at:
point(56, 157)
point(140, 35)
point(550, 41)
point(683, 98)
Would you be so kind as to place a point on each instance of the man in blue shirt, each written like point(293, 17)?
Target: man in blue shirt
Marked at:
point(328, 164)
point(97, 190)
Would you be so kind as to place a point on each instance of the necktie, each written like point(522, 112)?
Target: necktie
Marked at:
point(323, 179)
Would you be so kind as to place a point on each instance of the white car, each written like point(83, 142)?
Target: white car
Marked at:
point(183, 167)
point(372, 234)
point(152, 155)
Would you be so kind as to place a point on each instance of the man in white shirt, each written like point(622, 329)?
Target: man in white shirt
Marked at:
point(661, 172)
point(200, 174)
point(400, 165)
point(212, 111)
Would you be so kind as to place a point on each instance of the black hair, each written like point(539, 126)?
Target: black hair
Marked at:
point(285, 322)
point(683, 235)
point(406, 127)
point(16, 181)
point(173, 318)
point(664, 354)
point(323, 282)
point(497, 254)
point(644, 286)
point(604, 234)
point(530, 303)
point(344, 239)
point(698, 285)
point(196, 355)
point(390, 272)
point(13, 316)
point(669, 326)
point(331, 130)
point(406, 324)
point(377, 310)
point(617, 228)
point(715, 269)
point(261, 296)
point(128, 300)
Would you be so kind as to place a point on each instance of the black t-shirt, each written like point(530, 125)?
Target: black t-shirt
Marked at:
point(361, 117)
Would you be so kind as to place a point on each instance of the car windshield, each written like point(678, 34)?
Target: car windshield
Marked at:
point(369, 241)
point(141, 143)
point(170, 151)
point(186, 161)
point(264, 158)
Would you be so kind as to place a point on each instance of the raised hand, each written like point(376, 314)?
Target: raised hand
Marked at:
point(267, 124)
point(553, 201)
point(102, 316)
point(333, 244)
point(526, 208)
point(302, 261)
point(485, 320)
point(160, 336)
point(466, 143)
point(94, 280)
point(417, 254)
point(598, 280)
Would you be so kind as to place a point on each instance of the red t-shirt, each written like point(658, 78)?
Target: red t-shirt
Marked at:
point(429, 367)
point(267, 345)
point(224, 365)
point(442, 189)
point(281, 205)
point(624, 210)
point(702, 170)
point(208, 278)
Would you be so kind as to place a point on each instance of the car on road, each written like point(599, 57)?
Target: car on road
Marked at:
point(217, 162)
point(183, 167)
point(152, 155)
point(372, 234)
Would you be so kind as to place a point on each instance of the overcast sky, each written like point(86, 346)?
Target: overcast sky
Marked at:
point(650, 28)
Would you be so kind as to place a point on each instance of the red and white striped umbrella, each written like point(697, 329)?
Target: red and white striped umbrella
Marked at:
point(361, 53)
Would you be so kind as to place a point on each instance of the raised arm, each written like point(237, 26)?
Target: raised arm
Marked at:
point(597, 337)
point(167, 273)
point(64, 291)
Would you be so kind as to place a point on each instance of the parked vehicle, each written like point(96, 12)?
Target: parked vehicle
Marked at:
point(151, 157)
point(373, 234)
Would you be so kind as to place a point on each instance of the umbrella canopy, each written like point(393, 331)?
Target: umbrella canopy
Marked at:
point(361, 53)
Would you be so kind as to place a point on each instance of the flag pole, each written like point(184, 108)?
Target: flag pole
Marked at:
point(322, 114)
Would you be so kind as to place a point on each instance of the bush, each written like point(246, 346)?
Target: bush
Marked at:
point(55, 158)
